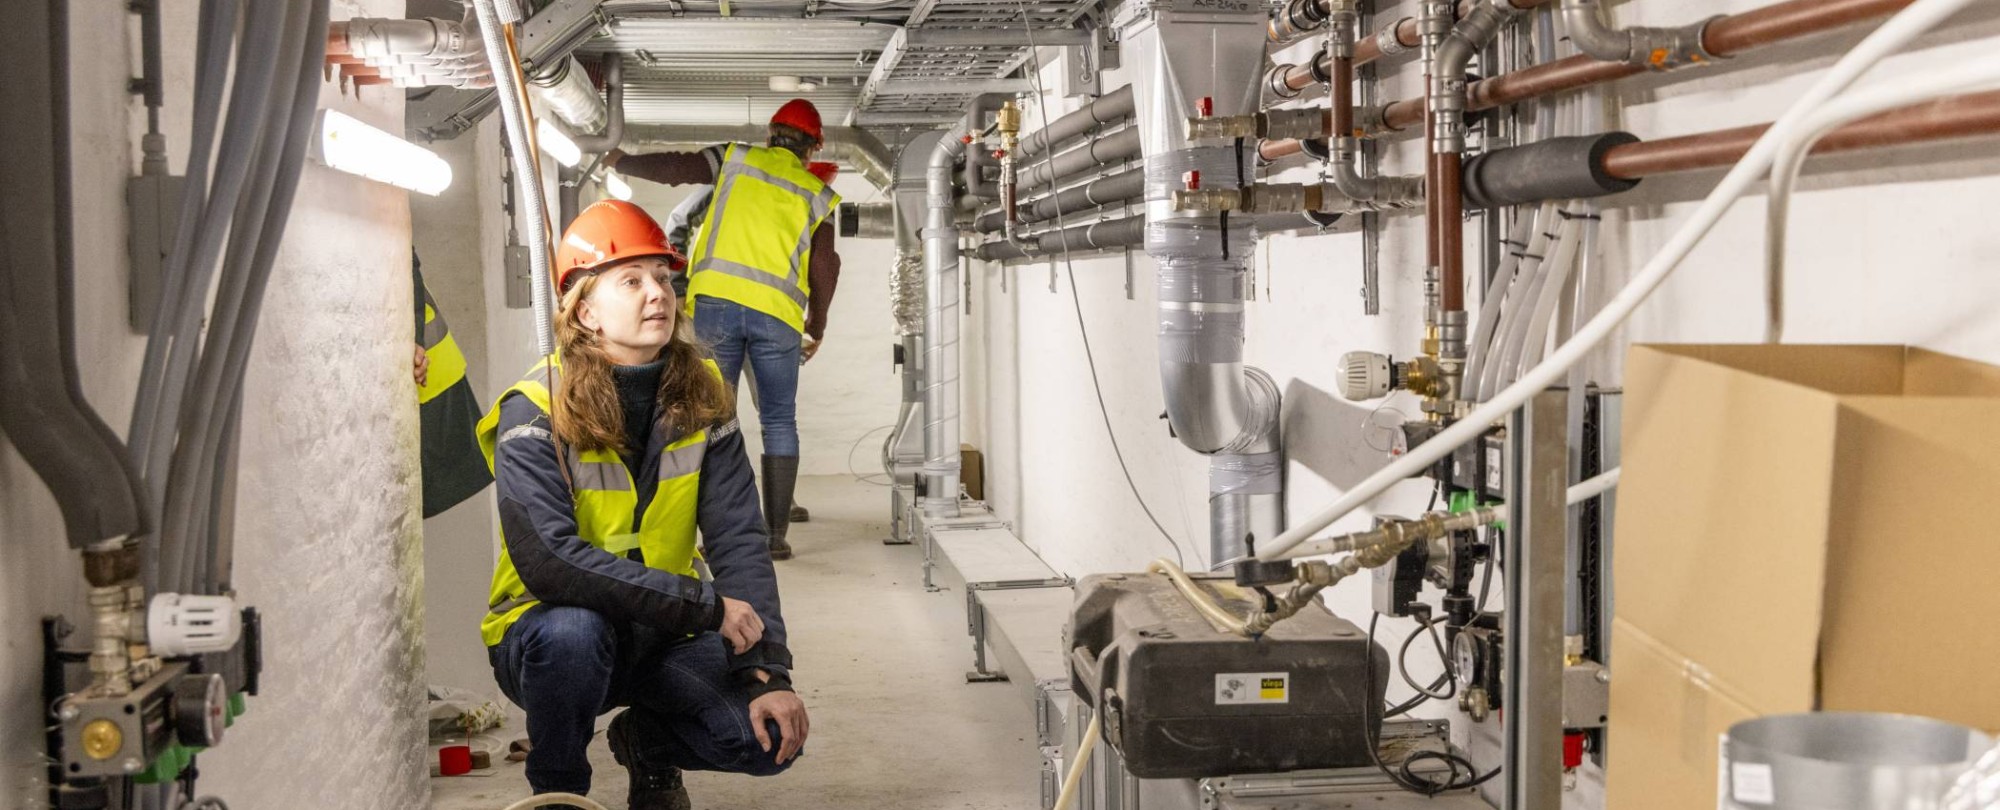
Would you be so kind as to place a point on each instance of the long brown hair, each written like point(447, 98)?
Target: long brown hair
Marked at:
point(587, 414)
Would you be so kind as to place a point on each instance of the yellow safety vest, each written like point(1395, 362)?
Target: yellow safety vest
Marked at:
point(447, 363)
point(605, 498)
point(754, 246)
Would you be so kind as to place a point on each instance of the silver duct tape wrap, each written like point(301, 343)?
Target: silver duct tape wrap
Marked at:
point(1248, 474)
point(906, 293)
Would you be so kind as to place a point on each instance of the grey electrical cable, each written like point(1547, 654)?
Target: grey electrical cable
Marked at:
point(291, 163)
point(250, 93)
point(1496, 292)
point(528, 183)
point(1076, 298)
point(232, 317)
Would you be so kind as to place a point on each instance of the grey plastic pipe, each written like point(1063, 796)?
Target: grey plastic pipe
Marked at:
point(1115, 148)
point(1111, 108)
point(527, 181)
point(563, 90)
point(1110, 233)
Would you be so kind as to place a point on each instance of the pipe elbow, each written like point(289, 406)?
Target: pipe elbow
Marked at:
point(1647, 47)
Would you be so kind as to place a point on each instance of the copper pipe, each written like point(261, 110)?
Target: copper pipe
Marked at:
point(1272, 150)
point(1450, 230)
point(1726, 36)
point(1369, 49)
point(1944, 119)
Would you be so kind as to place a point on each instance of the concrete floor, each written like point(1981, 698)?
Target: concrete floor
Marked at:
point(881, 667)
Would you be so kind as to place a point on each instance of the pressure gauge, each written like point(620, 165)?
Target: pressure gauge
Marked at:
point(201, 709)
point(1468, 658)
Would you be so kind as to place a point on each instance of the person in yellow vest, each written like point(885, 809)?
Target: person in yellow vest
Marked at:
point(608, 459)
point(761, 275)
point(447, 409)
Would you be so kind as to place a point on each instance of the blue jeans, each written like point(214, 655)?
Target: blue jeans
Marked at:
point(567, 665)
point(735, 333)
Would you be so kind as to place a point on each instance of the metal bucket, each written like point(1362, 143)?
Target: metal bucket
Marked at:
point(1844, 761)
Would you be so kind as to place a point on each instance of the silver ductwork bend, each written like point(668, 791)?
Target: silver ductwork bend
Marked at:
point(853, 147)
point(940, 368)
point(613, 105)
point(1215, 404)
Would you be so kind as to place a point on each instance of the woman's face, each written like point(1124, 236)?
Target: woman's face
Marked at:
point(632, 307)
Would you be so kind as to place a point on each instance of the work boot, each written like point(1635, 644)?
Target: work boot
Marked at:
point(781, 478)
point(799, 513)
point(650, 789)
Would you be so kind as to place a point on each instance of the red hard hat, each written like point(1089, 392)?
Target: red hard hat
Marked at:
point(823, 170)
point(801, 115)
point(610, 231)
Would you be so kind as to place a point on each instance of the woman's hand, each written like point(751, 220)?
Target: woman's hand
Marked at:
point(740, 625)
point(420, 366)
point(789, 712)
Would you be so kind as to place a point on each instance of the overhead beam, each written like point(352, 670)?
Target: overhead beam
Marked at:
point(1019, 37)
point(967, 87)
point(888, 119)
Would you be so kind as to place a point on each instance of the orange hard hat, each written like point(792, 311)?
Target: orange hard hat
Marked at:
point(801, 115)
point(607, 232)
point(823, 170)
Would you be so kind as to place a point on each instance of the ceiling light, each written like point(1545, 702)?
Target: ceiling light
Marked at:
point(557, 144)
point(616, 186)
point(347, 144)
point(784, 84)
point(807, 87)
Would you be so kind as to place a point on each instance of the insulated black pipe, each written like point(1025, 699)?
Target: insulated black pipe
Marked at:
point(1107, 190)
point(1554, 169)
point(1116, 148)
point(44, 411)
point(1112, 108)
point(1110, 233)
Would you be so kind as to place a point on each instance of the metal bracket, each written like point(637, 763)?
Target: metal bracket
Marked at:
point(975, 620)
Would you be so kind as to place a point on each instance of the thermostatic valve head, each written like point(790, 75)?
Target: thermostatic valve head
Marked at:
point(184, 624)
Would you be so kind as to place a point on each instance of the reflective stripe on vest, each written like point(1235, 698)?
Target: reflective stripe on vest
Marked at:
point(447, 363)
point(755, 244)
point(604, 497)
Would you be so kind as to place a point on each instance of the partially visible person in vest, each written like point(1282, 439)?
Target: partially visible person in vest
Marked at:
point(688, 216)
point(447, 409)
point(761, 273)
point(609, 457)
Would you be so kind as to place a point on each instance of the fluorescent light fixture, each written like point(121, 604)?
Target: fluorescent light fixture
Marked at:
point(557, 144)
point(615, 185)
point(347, 144)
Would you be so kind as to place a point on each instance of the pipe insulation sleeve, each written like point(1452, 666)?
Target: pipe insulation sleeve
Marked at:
point(527, 182)
point(1554, 169)
point(1921, 16)
point(1246, 474)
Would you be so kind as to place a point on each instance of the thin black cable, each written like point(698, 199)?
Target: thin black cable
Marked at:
point(1402, 775)
point(1076, 298)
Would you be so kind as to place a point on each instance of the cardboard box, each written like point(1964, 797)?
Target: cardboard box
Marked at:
point(972, 471)
point(1799, 528)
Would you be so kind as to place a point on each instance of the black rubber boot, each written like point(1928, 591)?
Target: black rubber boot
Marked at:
point(650, 789)
point(781, 478)
point(799, 514)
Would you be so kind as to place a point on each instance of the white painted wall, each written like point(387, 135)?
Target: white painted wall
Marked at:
point(327, 510)
point(1889, 246)
point(849, 392)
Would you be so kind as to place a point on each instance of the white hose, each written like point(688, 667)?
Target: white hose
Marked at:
point(1481, 347)
point(1217, 615)
point(1083, 750)
point(1520, 301)
point(506, 89)
point(1913, 21)
point(1535, 336)
point(540, 799)
point(1981, 74)
point(1585, 490)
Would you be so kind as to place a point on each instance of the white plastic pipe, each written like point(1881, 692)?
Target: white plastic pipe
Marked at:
point(1594, 487)
point(1912, 22)
point(1982, 74)
point(1536, 335)
point(1527, 288)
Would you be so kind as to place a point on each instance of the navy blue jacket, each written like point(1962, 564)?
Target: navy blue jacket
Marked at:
point(538, 524)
